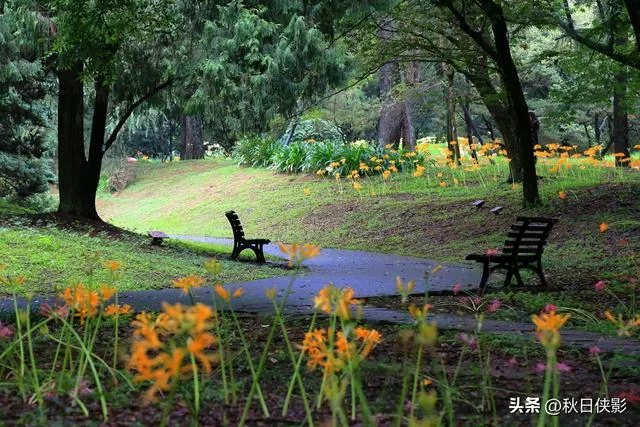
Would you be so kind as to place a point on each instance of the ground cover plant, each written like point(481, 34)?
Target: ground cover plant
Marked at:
point(98, 358)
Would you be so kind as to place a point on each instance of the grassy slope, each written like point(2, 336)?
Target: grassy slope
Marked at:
point(411, 216)
point(51, 257)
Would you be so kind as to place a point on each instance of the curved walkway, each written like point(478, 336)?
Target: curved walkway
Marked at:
point(369, 274)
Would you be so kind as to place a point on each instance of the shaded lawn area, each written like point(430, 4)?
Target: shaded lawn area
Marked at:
point(51, 256)
point(513, 362)
point(406, 216)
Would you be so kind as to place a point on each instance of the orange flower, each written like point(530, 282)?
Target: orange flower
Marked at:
point(298, 253)
point(238, 293)
point(113, 310)
point(188, 282)
point(604, 227)
point(107, 292)
point(198, 344)
point(562, 194)
point(222, 292)
point(113, 265)
point(548, 325)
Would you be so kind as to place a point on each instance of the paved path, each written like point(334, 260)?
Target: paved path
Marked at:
point(369, 274)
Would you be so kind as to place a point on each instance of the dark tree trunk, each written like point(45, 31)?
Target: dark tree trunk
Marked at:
point(78, 176)
point(620, 120)
point(395, 121)
point(192, 144)
point(501, 114)
point(452, 129)
point(633, 9)
point(596, 129)
point(517, 102)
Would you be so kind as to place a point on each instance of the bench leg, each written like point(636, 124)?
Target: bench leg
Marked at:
point(543, 281)
point(259, 253)
point(235, 253)
point(156, 241)
point(486, 271)
point(516, 272)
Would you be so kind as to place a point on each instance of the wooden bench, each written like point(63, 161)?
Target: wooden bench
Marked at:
point(157, 237)
point(239, 241)
point(522, 250)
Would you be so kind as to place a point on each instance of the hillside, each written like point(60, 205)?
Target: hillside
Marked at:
point(405, 215)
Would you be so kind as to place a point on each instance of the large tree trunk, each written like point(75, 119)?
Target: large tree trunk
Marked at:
point(78, 177)
point(501, 114)
point(192, 146)
point(395, 121)
point(620, 120)
point(517, 102)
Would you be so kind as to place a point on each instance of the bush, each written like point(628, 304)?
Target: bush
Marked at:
point(255, 151)
point(326, 156)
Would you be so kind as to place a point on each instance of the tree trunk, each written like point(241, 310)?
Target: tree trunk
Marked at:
point(517, 103)
point(395, 121)
point(596, 129)
point(501, 114)
point(78, 177)
point(192, 144)
point(620, 119)
point(452, 129)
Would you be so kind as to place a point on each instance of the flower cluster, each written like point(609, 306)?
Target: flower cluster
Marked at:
point(298, 253)
point(84, 302)
point(332, 352)
point(332, 300)
point(163, 348)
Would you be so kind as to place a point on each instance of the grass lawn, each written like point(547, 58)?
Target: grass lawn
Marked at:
point(403, 215)
point(50, 257)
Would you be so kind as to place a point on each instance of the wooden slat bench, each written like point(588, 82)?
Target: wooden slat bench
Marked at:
point(239, 241)
point(157, 237)
point(522, 250)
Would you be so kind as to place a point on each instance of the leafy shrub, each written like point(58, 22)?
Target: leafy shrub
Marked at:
point(255, 151)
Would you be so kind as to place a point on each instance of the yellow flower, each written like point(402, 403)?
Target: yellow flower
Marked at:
point(436, 269)
point(271, 293)
point(331, 298)
point(443, 184)
point(562, 194)
point(188, 282)
point(213, 266)
point(419, 313)
point(307, 191)
point(357, 186)
point(386, 174)
point(419, 171)
point(603, 227)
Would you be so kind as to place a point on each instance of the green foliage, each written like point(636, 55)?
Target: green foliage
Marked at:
point(325, 156)
point(24, 170)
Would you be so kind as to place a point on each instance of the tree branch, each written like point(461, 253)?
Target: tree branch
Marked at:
point(109, 142)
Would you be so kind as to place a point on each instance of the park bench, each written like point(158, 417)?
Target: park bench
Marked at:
point(157, 237)
point(522, 250)
point(239, 241)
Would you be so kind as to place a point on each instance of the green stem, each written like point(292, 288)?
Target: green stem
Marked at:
point(296, 372)
point(34, 369)
point(416, 375)
point(196, 390)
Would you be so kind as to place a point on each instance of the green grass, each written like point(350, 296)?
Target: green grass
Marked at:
point(50, 258)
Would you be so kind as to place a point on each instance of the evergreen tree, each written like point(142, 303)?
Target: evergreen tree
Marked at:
point(24, 170)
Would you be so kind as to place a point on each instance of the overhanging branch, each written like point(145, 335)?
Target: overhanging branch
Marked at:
point(109, 142)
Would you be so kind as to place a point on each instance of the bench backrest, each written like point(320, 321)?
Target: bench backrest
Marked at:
point(236, 226)
point(528, 236)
